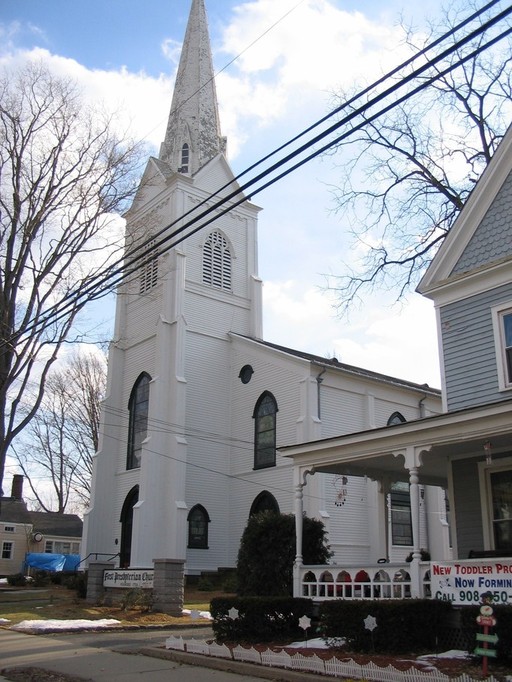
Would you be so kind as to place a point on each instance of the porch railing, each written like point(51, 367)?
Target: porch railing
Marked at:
point(372, 581)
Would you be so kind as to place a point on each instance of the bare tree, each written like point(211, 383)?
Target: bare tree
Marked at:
point(406, 175)
point(63, 174)
point(57, 447)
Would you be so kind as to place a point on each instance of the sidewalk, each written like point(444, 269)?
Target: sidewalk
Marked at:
point(155, 664)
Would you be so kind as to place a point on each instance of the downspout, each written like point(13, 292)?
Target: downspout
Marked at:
point(318, 382)
point(421, 403)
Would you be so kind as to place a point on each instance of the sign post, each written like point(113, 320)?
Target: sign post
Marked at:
point(486, 620)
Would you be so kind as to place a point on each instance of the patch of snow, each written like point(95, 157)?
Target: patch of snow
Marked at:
point(452, 653)
point(197, 614)
point(3, 581)
point(4, 620)
point(79, 624)
point(317, 643)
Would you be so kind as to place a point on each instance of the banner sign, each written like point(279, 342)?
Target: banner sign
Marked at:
point(464, 582)
point(129, 577)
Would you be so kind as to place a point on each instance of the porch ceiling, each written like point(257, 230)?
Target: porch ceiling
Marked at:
point(432, 443)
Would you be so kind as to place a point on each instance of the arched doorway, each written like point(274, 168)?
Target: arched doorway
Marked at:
point(126, 526)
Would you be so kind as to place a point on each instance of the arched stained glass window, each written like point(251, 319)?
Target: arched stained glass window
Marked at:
point(265, 418)
point(217, 261)
point(263, 502)
point(138, 407)
point(198, 521)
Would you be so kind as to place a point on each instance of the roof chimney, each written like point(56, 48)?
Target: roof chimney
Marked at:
point(17, 487)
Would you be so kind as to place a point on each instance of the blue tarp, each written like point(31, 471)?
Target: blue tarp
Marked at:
point(52, 562)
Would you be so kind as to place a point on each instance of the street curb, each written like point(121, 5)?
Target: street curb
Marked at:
point(230, 666)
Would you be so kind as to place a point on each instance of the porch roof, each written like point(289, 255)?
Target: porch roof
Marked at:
point(428, 444)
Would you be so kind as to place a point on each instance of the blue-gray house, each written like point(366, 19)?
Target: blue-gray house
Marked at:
point(467, 450)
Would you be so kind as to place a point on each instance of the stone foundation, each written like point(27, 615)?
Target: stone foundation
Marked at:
point(168, 586)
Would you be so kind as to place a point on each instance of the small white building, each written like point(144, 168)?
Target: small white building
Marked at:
point(198, 402)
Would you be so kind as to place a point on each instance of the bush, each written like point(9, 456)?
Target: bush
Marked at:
point(403, 626)
point(259, 619)
point(205, 585)
point(77, 582)
point(267, 552)
point(16, 580)
point(137, 598)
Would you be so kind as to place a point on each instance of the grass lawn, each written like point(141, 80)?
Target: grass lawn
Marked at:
point(57, 602)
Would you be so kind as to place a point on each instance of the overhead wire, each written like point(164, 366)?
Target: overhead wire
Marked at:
point(123, 268)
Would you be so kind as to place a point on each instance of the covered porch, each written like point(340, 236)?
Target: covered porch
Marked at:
point(442, 450)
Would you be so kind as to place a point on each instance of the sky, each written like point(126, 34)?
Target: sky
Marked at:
point(278, 63)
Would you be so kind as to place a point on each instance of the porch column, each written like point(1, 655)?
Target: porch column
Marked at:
point(299, 524)
point(414, 490)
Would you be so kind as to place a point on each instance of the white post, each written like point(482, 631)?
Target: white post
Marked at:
point(299, 515)
point(416, 590)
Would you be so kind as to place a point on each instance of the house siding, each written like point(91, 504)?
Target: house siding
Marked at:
point(493, 238)
point(468, 507)
point(471, 374)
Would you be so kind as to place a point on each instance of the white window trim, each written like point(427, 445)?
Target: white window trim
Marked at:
point(7, 542)
point(484, 471)
point(499, 343)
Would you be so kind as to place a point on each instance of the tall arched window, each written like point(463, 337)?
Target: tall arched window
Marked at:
point(126, 526)
point(185, 156)
point(138, 407)
point(217, 261)
point(198, 521)
point(265, 417)
point(265, 501)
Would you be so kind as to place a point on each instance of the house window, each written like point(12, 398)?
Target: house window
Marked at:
point(61, 547)
point(185, 156)
point(502, 326)
point(396, 418)
point(9, 529)
point(217, 261)
point(264, 416)
point(148, 272)
point(138, 407)
point(401, 522)
point(7, 550)
point(198, 521)
point(501, 495)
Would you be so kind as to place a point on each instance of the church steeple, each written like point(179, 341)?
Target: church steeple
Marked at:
point(193, 134)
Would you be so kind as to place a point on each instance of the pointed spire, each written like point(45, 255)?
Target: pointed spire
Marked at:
point(193, 134)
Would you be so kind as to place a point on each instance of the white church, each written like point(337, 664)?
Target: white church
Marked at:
point(198, 403)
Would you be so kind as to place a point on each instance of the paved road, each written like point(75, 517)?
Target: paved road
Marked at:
point(103, 657)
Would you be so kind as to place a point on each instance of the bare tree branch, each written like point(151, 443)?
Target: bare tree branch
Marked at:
point(64, 174)
point(405, 177)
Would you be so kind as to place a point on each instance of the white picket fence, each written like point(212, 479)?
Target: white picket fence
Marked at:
point(314, 664)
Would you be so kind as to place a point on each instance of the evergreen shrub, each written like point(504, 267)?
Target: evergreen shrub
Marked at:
point(260, 619)
point(267, 552)
point(16, 580)
point(403, 626)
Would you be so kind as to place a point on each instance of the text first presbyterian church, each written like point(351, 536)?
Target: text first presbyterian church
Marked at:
point(198, 403)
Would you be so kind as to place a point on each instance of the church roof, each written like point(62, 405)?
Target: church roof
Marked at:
point(334, 363)
point(194, 116)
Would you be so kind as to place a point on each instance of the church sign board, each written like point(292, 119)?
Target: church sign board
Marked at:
point(464, 582)
point(129, 578)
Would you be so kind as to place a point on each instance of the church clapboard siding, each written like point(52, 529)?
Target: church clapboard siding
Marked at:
point(195, 326)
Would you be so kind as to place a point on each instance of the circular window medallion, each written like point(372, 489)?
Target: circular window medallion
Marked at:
point(245, 374)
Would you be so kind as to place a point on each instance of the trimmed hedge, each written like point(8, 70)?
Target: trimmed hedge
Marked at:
point(403, 626)
point(260, 619)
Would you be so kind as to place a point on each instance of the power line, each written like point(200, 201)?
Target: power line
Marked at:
point(121, 269)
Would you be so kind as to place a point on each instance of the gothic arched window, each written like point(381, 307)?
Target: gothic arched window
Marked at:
point(138, 408)
point(198, 521)
point(265, 418)
point(217, 261)
point(396, 418)
point(263, 502)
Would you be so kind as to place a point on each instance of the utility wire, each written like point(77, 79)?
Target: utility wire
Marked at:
point(120, 270)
